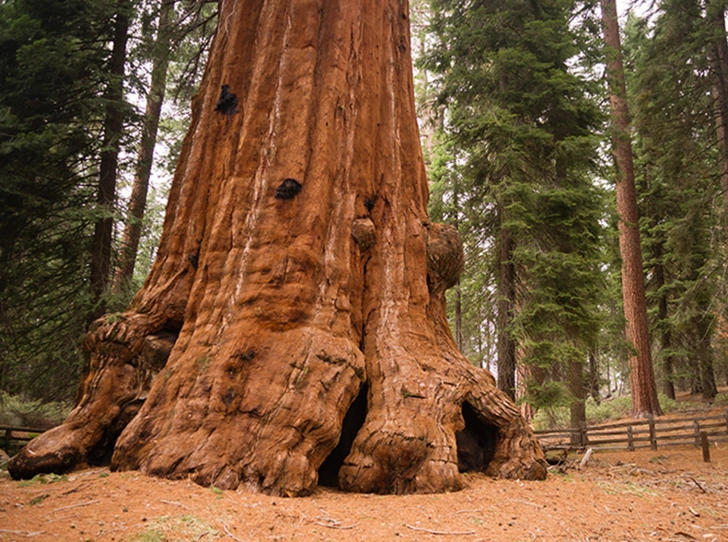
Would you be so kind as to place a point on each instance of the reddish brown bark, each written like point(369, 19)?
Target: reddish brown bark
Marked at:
point(719, 63)
point(291, 310)
point(642, 378)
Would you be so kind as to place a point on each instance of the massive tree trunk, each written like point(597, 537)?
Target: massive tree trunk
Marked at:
point(299, 285)
point(642, 376)
point(145, 156)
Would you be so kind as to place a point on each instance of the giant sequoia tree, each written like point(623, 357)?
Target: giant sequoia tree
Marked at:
point(293, 326)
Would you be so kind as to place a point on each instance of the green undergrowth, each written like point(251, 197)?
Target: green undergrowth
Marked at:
point(613, 409)
point(17, 412)
point(44, 479)
point(172, 528)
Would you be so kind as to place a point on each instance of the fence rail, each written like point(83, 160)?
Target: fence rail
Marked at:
point(22, 434)
point(638, 434)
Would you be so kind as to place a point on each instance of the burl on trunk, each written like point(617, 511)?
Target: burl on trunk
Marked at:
point(293, 329)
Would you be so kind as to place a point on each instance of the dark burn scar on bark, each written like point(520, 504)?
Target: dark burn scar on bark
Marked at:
point(288, 189)
point(228, 102)
point(245, 355)
point(228, 397)
point(369, 203)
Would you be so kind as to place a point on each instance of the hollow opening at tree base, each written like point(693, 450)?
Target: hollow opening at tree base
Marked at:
point(476, 443)
point(353, 422)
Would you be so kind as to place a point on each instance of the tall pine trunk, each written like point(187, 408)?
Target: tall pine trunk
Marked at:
point(719, 64)
point(642, 378)
point(101, 244)
point(506, 306)
point(577, 405)
point(668, 370)
point(145, 157)
point(293, 326)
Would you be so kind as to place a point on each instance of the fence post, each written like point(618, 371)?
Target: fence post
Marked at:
point(653, 437)
point(8, 437)
point(696, 430)
point(583, 436)
point(726, 421)
point(630, 439)
point(706, 446)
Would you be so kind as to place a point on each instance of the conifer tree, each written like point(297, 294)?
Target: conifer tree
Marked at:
point(524, 122)
point(642, 379)
point(53, 66)
point(678, 172)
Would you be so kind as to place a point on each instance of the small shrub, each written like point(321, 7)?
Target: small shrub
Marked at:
point(558, 417)
point(148, 536)
point(20, 413)
point(611, 409)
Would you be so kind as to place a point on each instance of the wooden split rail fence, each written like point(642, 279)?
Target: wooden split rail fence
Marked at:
point(8, 434)
point(636, 434)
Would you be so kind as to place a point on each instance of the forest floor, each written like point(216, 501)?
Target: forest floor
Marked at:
point(669, 494)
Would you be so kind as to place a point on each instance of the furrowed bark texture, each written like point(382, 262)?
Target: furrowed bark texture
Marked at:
point(311, 337)
point(642, 376)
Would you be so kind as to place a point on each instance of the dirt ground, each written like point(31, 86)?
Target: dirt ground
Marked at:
point(669, 494)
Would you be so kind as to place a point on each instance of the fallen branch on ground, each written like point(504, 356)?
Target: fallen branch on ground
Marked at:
point(444, 533)
point(76, 505)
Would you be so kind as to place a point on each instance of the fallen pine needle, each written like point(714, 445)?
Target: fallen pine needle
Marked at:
point(685, 535)
point(444, 533)
point(526, 502)
point(173, 503)
point(76, 505)
point(227, 532)
point(335, 525)
point(467, 512)
point(697, 483)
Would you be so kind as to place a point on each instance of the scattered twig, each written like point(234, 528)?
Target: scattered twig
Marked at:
point(76, 489)
point(697, 483)
point(444, 533)
point(227, 532)
point(335, 525)
point(76, 505)
point(203, 534)
point(586, 458)
point(526, 502)
point(467, 512)
point(62, 518)
point(174, 503)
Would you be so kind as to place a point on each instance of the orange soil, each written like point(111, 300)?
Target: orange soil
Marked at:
point(665, 495)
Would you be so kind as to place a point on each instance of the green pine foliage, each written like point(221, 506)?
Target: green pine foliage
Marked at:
point(523, 120)
point(54, 71)
point(52, 62)
point(678, 171)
